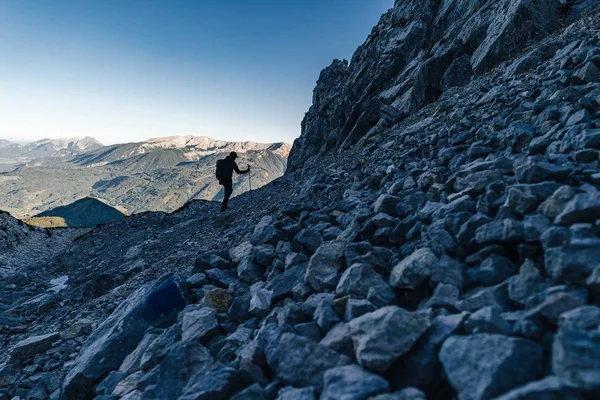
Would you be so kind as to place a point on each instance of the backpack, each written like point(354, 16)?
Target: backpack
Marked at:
point(220, 170)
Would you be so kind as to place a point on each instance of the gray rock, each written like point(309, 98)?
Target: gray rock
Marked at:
point(356, 308)
point(525, 284)
point(584, 207)
point(283, 284)
point(386, 204)
point(132, 363)
point(448, 271)
point(404, 394)
point(110, 382)
point(484, 366)
point(250, 271)
point(220, 382)
point(302, 362)
point(291, 393)
point(588, 73)
point(572, 262)
point(325, 265)
point(254, 392)
point(495, 269)
point(198, 323)
point(106, 348)
point(576, 357)
point(421, 366)
point(308, 240)
point(383, 336)
point(495, 296)
point(184, 360)
point(339, 338)
point(351, 383)
point(555, 204)
point(360, 279)
point(443, 296)
point(533, 171)
point(487, 320)
point(550, 387)
point(260, 303)
point(581, 318)
point(593, 281)
point(10, 320)
point(505, 230)
point(264, 232)
point(325, 315)
point(414, 269)
point(30, 347)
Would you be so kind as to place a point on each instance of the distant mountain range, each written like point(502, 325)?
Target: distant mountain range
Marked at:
point(14, 153)
point(155, 175)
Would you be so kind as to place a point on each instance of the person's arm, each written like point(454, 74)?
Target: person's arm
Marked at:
point(238, 171)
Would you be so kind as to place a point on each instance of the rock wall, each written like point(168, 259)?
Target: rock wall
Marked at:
point(417, 51)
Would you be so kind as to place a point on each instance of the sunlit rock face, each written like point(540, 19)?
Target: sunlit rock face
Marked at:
point(417, 51)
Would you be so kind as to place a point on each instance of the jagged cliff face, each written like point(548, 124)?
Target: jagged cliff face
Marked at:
point(417, 51)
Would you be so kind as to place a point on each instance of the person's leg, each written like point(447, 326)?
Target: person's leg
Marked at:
point(228, 186)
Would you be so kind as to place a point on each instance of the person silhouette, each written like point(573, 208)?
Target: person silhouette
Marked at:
point(225, 170)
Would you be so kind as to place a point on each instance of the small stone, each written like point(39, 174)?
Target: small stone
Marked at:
point(78, 328)
point(217, 299)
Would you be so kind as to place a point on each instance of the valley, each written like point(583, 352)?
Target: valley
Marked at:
point(157, 175)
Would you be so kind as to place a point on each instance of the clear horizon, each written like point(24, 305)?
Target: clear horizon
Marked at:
point(130, 71)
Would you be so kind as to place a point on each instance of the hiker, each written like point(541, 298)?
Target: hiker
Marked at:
point(225, 168)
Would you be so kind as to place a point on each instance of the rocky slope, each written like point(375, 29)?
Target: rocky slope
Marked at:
point(156, 175)
point(419, 50)
point(450, 254)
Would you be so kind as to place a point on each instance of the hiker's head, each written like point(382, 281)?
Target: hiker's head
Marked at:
point(233, 155)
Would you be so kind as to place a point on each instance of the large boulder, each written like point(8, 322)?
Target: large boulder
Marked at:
point(106, 348)
point(382, 336)
point(484, 366)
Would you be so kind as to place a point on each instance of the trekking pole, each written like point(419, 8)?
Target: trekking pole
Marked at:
point(249, 178)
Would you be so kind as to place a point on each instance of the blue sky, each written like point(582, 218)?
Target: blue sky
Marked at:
point(130, 70)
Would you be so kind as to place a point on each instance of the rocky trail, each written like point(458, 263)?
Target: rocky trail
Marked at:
point(435, 237)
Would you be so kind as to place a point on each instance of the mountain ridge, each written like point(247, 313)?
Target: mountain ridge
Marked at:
point(449, 254)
